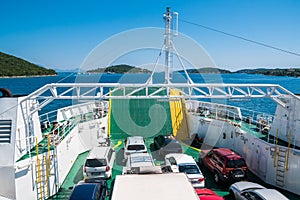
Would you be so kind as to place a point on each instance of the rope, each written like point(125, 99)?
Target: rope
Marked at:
point(241, 38)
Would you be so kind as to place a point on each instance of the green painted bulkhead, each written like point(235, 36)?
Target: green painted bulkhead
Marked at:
point(144, 117)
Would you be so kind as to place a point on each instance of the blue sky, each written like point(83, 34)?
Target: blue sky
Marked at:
point(60, 34)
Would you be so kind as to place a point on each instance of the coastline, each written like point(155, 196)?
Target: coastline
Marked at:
point(33, 76)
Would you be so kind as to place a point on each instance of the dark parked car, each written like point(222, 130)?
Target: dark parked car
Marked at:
point(89, 190)
point(166, 145)
point(225, 164)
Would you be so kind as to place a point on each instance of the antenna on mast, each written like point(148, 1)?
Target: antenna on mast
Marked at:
point(169, 32)
point(169, 48)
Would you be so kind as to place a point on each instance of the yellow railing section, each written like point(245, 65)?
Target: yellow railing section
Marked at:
point(48, 163)
point(179, 117)
point(38, 172)
point(176, 112)
point(108, 117)
point(43, 167)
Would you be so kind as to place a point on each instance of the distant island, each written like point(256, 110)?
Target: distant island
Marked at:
point(118, 69)
point(295, 72)
point(207, 70)
point(123, 68)
point(11, 66)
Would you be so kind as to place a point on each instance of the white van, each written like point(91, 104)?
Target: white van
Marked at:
point(99, 163)
point(135, 144)
point(186, 164)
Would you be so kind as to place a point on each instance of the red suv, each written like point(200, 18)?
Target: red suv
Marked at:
point(225, 164)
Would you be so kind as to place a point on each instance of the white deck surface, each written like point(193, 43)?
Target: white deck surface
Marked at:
point(153, 186)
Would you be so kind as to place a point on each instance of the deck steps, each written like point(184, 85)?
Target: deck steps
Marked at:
point(281, 166)
point(45, 168)
point(41, 179)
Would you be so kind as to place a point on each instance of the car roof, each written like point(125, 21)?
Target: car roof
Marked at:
point(139, 155)
point(135, 140)
point(141, 158)
point(207, 194)
point(227, 153)
point(84, 191)
point(270, 194)
point(204, 191)
point(245, 185)
point(168, 140)
point(211, 197)
point(181, 158)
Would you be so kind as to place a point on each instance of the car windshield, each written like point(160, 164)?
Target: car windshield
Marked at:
point(236, 163)
point(136, 147)
point(95, 163)
point(173, 145)
point(189, 169)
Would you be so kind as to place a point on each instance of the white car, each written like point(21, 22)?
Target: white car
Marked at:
point(135, 144)
point(138, 161)
point(186, 164)
point(244, 190)
point(99, 163)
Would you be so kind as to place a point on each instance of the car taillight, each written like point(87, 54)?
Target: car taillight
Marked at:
point(127, 153)
point(227, 172)
point(84, 169)
point(200, 179)
point(107, 168)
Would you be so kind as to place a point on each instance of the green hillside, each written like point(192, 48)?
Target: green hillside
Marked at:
point(207, 70)
point(119, 69)
point(272, 72)
point(11, 66)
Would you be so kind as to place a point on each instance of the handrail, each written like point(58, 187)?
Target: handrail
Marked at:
point(276, 143)
point(38, 172)
point(288, 151)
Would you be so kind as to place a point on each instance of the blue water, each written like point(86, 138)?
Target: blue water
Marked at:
point(24, 86)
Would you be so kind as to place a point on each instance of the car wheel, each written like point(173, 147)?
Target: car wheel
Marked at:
point(216, 177)
point(231, 195)
point(200, 161)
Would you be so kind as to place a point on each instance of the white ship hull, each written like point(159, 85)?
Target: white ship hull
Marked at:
point(274, 164)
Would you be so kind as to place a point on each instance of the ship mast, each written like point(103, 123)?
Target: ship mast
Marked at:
point(168, 44)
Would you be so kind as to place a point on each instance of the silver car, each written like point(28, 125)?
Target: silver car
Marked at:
point(244, 190)
point(139, 163)
point(99, 163)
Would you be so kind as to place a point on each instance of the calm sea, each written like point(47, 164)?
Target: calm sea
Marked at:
point(24, 86)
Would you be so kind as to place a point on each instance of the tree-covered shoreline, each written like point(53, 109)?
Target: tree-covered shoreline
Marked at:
point(12, 67)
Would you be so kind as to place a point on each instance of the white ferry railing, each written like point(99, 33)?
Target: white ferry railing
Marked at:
point(222, 113)
point(103, 91)
point(100, 91)
point(48, 117)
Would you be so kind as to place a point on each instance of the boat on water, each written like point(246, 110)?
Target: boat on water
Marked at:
point(42, 155)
